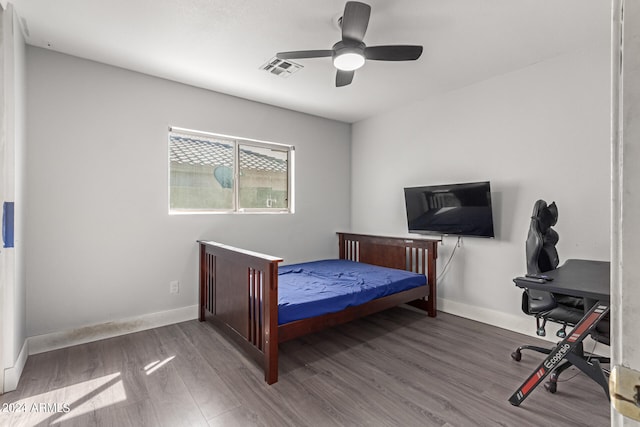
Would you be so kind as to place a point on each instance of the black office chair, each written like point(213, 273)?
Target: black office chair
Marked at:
point(542, 257)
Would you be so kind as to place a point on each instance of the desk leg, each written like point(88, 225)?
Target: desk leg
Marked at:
point(592, 369)
point(561, 351)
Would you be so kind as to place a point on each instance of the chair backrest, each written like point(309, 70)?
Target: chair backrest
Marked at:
point(541, 243)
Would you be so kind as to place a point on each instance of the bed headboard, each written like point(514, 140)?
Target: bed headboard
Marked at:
point(417, 255)
point(395, 252)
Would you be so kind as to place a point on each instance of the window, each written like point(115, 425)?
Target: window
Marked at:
point(216, 173)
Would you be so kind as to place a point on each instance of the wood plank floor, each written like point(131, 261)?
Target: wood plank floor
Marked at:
point(396, 368)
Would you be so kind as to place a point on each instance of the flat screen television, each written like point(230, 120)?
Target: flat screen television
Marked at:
point(454, 209)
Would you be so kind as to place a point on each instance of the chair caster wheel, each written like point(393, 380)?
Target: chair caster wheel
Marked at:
point(551, 386)
point(516, 355)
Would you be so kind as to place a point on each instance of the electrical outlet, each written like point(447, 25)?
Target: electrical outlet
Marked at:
point(174, 287)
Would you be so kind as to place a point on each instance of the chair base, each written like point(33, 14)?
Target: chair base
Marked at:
point(517, 354)
point(552, 385)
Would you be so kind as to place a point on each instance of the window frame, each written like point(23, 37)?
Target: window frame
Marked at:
point(236, 142)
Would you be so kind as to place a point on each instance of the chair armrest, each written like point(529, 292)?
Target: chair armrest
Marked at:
point(536, 302)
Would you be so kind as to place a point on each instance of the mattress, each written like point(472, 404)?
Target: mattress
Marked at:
point(315, 288)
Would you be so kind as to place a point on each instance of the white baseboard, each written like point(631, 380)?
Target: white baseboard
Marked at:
point(85, 334)
point(521, 324)
point(56, 340)
point(12, 375)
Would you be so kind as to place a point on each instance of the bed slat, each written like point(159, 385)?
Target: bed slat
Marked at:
point(255, 283)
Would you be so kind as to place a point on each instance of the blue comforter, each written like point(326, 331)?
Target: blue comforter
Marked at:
point(320, 287)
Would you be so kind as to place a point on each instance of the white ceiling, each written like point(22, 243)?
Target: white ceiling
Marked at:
point(220, 44)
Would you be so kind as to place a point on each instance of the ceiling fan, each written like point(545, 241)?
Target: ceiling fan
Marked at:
point(350, 53)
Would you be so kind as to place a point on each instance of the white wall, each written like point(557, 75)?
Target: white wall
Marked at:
point(540, 132)
point(13, 261)
point(6, 330)
point(101, 244)
point(625, 292)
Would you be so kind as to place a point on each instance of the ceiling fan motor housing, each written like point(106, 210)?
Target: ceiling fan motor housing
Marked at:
point(348, 55)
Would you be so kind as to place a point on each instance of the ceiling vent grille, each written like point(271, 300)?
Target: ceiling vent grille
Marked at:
point(280, 67)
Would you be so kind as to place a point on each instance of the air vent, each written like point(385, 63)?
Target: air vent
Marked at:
point(280, 67)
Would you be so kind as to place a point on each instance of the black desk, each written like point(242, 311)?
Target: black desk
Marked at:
point(580, 278)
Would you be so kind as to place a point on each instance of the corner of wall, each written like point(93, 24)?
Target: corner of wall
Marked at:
point(13, 337)
point(12, 374)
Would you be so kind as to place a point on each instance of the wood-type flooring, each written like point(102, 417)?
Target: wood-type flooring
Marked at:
point(395, 368)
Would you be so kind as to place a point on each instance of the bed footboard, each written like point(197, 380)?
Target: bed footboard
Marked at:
point(239, 292)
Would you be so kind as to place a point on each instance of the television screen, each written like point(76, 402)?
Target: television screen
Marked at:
point(458, 209)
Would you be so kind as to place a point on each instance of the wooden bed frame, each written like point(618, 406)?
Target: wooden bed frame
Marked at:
point(239, 291)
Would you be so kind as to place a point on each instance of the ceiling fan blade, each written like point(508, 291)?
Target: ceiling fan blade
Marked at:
point(355, 20)
point(344, 78)
point(301, 54)
point(393, 53)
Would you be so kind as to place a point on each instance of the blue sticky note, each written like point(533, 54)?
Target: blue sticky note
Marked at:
point(7, 224)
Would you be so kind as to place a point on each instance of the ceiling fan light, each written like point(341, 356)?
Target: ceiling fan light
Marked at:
point(348, 61)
